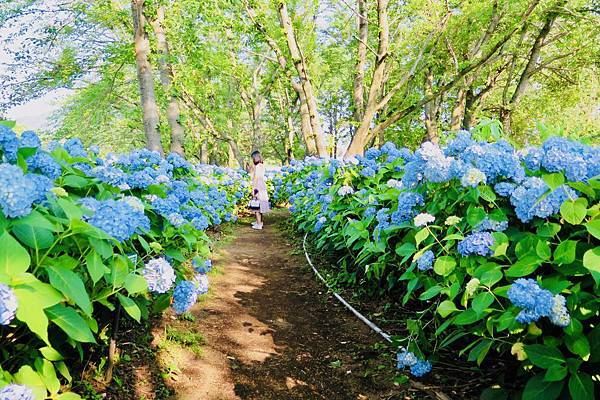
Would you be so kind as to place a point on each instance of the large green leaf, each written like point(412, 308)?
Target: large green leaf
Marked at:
point(14, 259)
point(591, 259)
point(95, 266)
point(565, 252)
point(444, 265)
point(28, 377)
point(581, 387)
point(574, 211)
point(593, 227)
point(524, 266)
point(33, 236)
point(135, 283)
point(544, 356)
point(71, 285)
point(33, 297)
point(536, 389)
point(71, 323)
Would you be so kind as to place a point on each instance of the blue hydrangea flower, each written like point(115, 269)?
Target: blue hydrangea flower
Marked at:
point(504, 189)
point(45, 164)
point(532, 157)
point(407, 203)
point(491, 225)
point(8, 304)
point(369, 212)
point(535, 301)
point(425, 262)
point(372, 153)
point(17, 192)
point(533, 198)
point(16, 392)
point(367, 172)
point(319, 224)
point(184, 296)
point(202, 284)
point(458, 145)
point(176, 219)
point(479, 243)
point(159, 274)
point(383, 218)
point(9, 143)
point(406, 358)
point(117, 218)
point(42, 185)
point(29, 139)
point(75, 148)
point(420, 368)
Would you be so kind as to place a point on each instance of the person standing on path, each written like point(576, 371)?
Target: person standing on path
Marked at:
point(259, 189)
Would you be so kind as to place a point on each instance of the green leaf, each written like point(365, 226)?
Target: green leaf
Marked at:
point(119, 271)
point(48, 375)
point(466, 317)
point(430, 293)
point(68, 396)
point(524, 266)
point(544, 356)
point(444, 265)
point(130, 306)
point(565, 252)
point(548, 229)
point(95, 266)
point(33, 236)
point(487, 193)
point(446, 308)
point(543, 250)
point(555, 373)
point(14, 259)
point(421, 235)
point(581, 387)
point(574, 211)
point(406, 249)
point(482, 301)
point(591, 259)
point(71, 323)
point(475, 215)
point(536, 389)
point(28, 377)
point(36, 219)
point(479, 352)
point(578, 345)
point(50, 354)
point(554, 181)
point(135, 283)
point(71, 210)
point(71, 285)
point(593, 227)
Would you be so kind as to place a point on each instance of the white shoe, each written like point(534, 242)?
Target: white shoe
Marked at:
point(253, 225)
point(258, 227)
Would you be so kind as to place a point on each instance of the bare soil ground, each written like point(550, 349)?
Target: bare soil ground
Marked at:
point(272, 332)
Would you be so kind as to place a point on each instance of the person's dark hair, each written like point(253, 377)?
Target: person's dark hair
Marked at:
point(256, 157)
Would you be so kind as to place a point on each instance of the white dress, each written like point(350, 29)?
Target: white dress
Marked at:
point(258, 183)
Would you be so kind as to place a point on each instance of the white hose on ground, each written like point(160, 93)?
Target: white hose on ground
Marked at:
point(342, 300)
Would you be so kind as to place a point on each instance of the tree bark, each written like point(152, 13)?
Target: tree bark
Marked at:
point(166, 78)
point(305, 123)
point(150, 116)
point(431, 110)
point(361, 62)
point(360, 139)
point(300, 63)
point(204, 152)
point(528, 71)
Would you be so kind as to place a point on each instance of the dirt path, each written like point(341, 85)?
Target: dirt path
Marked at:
point(271, 332)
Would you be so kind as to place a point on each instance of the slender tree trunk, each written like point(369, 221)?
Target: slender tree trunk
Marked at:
point(360, 139)
point(146, 80)
point(458, 112)
point(305, 81)
point(431, 110)
point(204, 152)
point(166, 78)
point(361, 62)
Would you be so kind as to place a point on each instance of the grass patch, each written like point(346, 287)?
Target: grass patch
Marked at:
point(192, 341)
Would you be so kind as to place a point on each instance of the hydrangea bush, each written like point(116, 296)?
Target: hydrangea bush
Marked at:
point(82, 235)
point(496, 249)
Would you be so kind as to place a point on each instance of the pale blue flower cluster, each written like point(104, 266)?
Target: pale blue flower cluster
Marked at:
point(16, 392)
point(417, 367)
point(116, 217)
point(425, 262)
point(533, 198)
point(202, 284)
point(478, 243)
point(9, 143)
point(18, 192)
point(407, 204)
point(202, 267)
point(491, 225)
point(185, 296)
point(537, 303)
point(8, 304)
point(159, 275)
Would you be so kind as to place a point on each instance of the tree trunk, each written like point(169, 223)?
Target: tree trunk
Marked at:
point(360, 138)
point(204, 152)
point(305, 81)
point(528, 71)
point(146, 80)
point(166, 78)
point(361, 62)
point(431, 110)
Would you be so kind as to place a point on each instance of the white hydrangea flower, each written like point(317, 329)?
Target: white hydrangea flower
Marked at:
point(423, 219)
